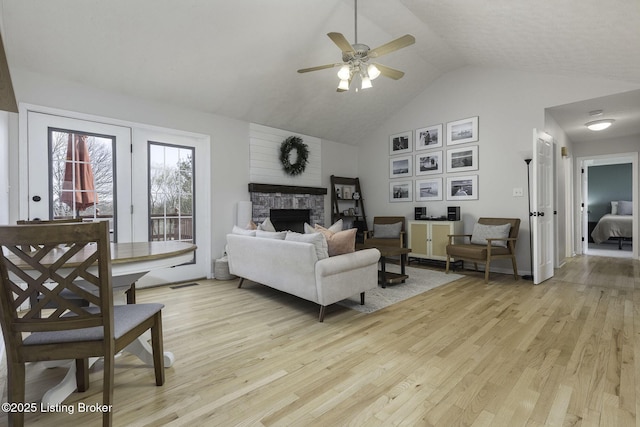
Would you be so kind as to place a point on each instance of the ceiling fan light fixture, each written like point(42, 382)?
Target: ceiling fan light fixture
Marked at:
point(344, 73)
point(344, 84)
point(366, 82)
point(373, 72)
point(598, 125)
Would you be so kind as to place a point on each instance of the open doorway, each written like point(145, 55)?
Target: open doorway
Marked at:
point(607, 198)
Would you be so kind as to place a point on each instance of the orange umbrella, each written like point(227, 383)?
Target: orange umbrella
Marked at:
point(78, 188)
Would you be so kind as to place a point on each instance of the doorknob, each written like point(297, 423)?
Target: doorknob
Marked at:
point(36, 198)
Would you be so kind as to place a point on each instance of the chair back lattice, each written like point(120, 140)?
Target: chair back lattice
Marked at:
point(51, 260)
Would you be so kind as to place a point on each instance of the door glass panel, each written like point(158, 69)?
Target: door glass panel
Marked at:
point(82, 183)
point(171, 192)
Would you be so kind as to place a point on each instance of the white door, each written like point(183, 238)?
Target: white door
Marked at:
point(48, 136)
point(542, 204)
point(130, 155)
point(169, 168)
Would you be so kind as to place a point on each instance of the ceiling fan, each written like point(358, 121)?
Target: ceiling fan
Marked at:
point(356, 59)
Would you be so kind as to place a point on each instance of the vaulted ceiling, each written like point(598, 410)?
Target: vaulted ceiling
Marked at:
point(239, 58)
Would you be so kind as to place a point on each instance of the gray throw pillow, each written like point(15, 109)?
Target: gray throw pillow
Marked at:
point(625, 207)
point(481, 232)
point(387, 231)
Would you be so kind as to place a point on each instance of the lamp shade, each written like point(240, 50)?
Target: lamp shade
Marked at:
point(597, 125)
point(373, 72)
point(244, 214)
point(344, 73)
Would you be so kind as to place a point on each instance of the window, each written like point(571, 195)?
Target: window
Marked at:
point(171, 192)
point(82, 176)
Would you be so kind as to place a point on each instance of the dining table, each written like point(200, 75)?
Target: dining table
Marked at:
point(129, 262)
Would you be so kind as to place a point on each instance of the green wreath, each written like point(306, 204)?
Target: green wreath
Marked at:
point(291, 143)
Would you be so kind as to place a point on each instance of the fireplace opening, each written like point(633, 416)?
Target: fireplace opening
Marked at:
point(290, 219)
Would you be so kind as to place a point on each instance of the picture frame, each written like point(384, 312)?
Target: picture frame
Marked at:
point(428, 189)
point(462, 131)
point(401, 191)
point(428, 163)
point(462, 187)
point(400, 166)
point(462, 159)
point(429, 137)
point(400, 143)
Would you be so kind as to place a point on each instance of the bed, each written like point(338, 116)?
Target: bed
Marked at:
point(617, 226)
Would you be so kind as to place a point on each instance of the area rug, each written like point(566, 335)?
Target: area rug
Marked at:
point(420, 280)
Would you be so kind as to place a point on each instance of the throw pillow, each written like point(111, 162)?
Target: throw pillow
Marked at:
point(387, 231)
point(625, 207)
point(279, 235)
point(614, 208)
point(342, 242)
point(336, 226)
point(266, 225)
point(316, 239)
point(309, 229)
point(482, 231)
point(251, 226)
point(242, 231)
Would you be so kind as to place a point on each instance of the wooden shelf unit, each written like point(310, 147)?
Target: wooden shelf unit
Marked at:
point(356, 219)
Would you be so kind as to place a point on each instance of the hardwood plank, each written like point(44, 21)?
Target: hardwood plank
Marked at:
point(565, 352)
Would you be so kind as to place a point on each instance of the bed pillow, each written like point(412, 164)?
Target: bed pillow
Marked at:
point(625, 207)
point(481, 232)
point(614, 208)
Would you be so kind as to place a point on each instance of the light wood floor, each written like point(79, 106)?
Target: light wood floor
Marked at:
point(566, 352)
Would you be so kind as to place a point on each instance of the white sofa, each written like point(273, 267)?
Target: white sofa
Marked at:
point(295, 268)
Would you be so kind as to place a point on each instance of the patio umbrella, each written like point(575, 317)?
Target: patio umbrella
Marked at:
point(78, 188)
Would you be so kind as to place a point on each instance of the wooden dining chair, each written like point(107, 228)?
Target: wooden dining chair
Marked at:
point(130, 293)
point(64, 255)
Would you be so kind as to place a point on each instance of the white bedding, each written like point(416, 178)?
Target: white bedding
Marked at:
point(612, 226)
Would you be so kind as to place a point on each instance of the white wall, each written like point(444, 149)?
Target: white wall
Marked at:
point(509, 105)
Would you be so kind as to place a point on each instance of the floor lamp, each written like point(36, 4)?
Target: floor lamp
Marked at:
point(529, 276)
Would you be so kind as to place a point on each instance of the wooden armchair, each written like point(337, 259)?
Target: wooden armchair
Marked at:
point(492, 238)
point(386, 232)
point(63, 254)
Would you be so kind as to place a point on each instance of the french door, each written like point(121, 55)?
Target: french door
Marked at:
point(142, 181)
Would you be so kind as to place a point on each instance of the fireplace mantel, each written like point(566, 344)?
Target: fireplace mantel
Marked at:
point(285, 189)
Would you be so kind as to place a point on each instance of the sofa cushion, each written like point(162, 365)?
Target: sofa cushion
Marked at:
point(341, 242)
point(280, 235)
point(481, 232)
point(317, 239)
point(243, 231)
point(387, 231)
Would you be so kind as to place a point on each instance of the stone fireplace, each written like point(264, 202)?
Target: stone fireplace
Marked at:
point(265, 197)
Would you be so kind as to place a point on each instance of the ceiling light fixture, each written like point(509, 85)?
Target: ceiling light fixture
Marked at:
point(598, 125)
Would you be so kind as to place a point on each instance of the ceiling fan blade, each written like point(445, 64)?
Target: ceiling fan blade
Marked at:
point(392, 73)
point(319, 67)
point(392, 46)
point(341, 42)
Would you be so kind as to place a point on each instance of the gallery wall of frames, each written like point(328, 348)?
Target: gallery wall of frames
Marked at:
point(435, 163)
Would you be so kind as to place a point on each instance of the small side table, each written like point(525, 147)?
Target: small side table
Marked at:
point(386, 277)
